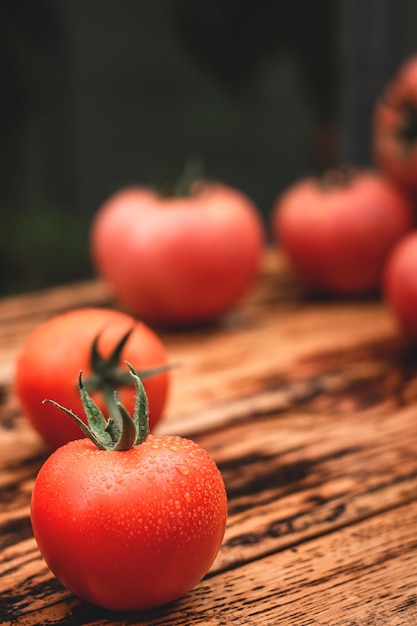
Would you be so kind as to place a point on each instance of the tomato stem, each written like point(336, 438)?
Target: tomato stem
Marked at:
point(128, 431)
point(120, 431)
point(192, 172)
point(338, 177)
point(107, 375)
point(112, 406)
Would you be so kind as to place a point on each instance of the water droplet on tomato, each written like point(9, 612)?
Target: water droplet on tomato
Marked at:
point(183, 469)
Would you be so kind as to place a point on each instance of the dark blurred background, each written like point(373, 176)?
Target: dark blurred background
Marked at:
point(98, 94)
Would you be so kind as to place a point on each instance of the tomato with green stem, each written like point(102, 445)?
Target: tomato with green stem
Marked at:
point(96, 341)
point(127, 520)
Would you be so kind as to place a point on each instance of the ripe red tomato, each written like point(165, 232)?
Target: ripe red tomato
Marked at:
point(338, 230)
point(52, 357)
point(133, 528)
point(400, 284)
point(178, 260)
point(395, 127)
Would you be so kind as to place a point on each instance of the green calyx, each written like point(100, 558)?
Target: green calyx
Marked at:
point(107, 375)
point(120, 431)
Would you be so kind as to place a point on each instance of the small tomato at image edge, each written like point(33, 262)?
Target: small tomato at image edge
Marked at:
point(400, 285)
point(394, 128)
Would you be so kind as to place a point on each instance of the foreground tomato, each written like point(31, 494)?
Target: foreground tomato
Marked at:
point(135, 524)
point(178, 260)
point(58, 349)
point(395, 127)
point(400, 285)
point(338, 230)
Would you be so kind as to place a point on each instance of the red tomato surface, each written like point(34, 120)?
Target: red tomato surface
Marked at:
point(395, 127)
point(51, 359)
point(129, 530)
point(337, 231)
point(400, 285)
point(178, 260)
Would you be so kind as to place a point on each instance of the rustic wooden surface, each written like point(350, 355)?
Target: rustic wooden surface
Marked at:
point(309, 407)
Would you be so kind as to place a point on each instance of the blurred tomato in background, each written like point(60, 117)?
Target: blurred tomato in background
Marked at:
point(100, 95)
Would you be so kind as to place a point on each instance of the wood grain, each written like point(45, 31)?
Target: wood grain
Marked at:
point(309, 408)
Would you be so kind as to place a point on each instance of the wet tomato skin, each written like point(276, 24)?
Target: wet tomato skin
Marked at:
point(129, 530)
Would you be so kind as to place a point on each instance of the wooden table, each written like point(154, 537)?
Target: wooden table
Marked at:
point(309, 408)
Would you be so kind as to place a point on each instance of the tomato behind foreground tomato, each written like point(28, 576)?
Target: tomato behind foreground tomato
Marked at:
point(51, 359)
point(133, 520)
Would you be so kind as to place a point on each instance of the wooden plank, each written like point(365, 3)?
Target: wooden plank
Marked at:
point(290, 478)
point(340, 578)
point(308, 407)
point(364, 574)
point(249, 357)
